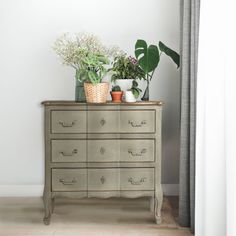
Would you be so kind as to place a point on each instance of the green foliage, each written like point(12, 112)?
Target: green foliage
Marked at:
point(135, 89)
point(169, 52)
point(116, 88)
point(149, 56)
point(126, 68)
point(93, 68)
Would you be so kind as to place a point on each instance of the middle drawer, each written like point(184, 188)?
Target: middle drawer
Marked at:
point(108, 150)
point(68, 150)
point(121, 150)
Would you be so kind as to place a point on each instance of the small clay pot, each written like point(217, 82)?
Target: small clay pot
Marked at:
point(116, 96)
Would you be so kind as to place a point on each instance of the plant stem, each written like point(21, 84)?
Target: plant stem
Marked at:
point(152, 75)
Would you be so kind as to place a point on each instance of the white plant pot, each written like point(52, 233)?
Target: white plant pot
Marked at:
point(125, 84)
point(129, 97)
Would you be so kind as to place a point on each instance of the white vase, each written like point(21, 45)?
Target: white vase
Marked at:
point(129, 97)
point(125, 84)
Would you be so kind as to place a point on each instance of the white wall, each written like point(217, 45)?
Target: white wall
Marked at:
point(30, 72)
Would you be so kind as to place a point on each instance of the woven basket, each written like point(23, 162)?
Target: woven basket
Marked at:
point(96, 93)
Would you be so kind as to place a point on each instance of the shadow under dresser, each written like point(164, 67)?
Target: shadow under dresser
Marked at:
point(102, 150)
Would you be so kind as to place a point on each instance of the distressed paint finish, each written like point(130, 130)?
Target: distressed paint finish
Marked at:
point(104, 150)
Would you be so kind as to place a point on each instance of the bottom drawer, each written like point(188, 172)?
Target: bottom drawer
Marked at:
point(137, 179)
point(69, 180)
point(126, 179)
point(103, 179)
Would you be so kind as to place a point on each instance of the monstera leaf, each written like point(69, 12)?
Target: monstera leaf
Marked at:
point(169, 52)
point(148, 56)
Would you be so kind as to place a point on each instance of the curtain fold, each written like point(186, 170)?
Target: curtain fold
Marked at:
point(216, 126)
point(190, 10)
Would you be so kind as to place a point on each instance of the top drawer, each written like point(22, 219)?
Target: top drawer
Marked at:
point(68, 122)
point(142, 121)
point(124, 121)
point(103, 121)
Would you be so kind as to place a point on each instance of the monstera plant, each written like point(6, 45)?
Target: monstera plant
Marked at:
point(148, 58)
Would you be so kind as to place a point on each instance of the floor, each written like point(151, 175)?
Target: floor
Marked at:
point(72, 217)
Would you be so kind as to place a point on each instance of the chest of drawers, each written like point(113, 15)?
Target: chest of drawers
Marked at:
point(104, 150)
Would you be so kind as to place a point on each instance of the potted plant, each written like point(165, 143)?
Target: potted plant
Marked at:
point(148, 59)
point(116, 93)
point(80, 51)
point(92, 72)
point(125, 70)
point(129, 96)
point(132, 94)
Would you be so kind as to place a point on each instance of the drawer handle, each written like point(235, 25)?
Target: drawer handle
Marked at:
point(68, 182)
point(143, 151)
point(133, 182)
point(67, 125)
point(65, 154)
point(102, 150)
point(133, 124)
point(103, 179)
point(102, 122)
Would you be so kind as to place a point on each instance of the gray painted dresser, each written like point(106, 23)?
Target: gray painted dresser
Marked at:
point(102, 150)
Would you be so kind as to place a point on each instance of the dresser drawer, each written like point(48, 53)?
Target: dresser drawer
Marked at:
point(68, 150)
point(69, 179)
point(68, 121)
point(137, 121)
point(135, 150)
point(103, 121)
point(103, 179)
point(104, 150)
point(132, 121)
point(137, 179)
point(124, 150)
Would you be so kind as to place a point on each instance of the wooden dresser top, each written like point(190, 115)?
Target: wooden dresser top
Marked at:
point(73, 103)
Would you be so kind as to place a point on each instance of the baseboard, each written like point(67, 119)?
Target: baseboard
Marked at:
point(37, 190)
point(21, 190)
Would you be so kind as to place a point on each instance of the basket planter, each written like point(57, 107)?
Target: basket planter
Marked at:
point(96, 93)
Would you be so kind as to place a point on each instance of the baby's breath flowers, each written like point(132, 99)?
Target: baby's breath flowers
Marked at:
point(73, 48)
point(86, 54)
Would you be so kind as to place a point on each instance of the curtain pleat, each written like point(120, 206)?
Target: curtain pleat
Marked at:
point(189, 53)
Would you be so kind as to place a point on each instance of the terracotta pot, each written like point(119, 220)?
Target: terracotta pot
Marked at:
point(116, 96)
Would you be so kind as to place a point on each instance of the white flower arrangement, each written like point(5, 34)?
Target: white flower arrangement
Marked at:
point(73, 48)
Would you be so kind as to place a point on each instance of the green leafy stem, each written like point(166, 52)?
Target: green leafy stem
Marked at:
point(149, 56)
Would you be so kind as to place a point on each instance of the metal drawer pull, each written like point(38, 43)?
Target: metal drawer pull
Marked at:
point(133, 124)
point(67, 125)
point(143, 151)
point(103, 179)
point(68, 182)
point(102, 150)
point(102, 122)
point(141, 181)
point(75, 151)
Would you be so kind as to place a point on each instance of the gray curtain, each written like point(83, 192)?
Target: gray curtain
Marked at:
point(189, 48)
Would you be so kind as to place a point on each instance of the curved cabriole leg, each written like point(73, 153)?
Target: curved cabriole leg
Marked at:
point(47, 208)
point(158, 206)
point(53, 204)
